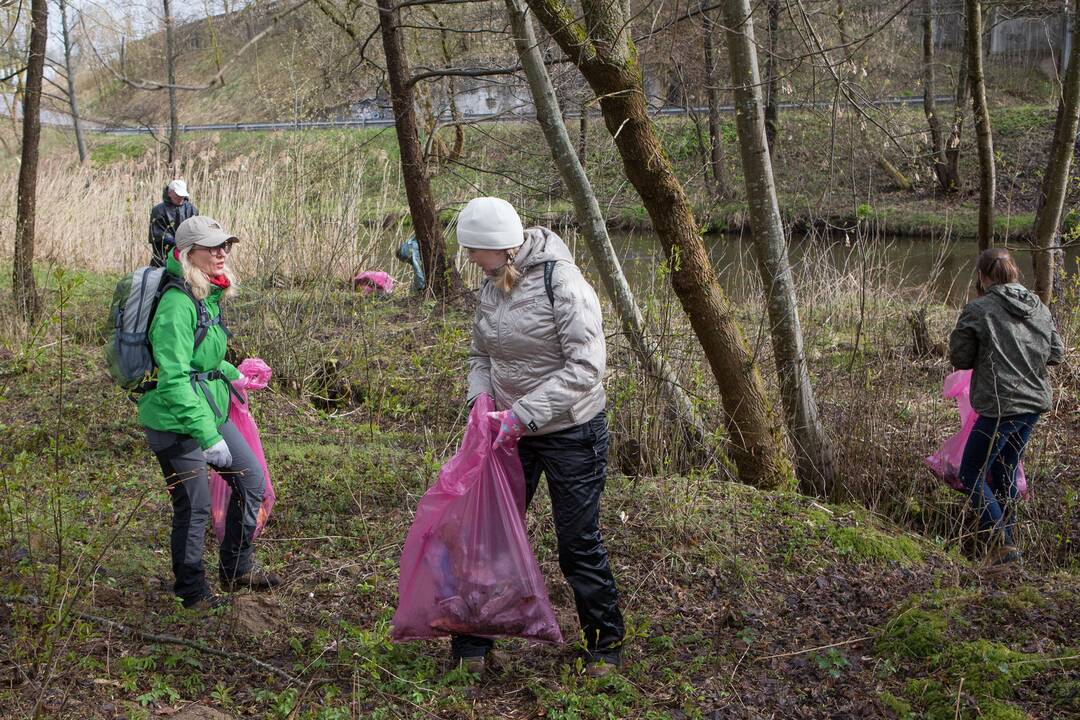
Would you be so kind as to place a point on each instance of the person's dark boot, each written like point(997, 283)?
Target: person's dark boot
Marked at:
point(257, 578)
point(600, 665)
point(207, 603)
point(1004, 556)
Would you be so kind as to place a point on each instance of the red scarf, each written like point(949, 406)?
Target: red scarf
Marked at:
point(221, 281)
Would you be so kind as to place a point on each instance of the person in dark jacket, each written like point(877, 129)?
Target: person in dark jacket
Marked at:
point(538, 349)
point(1007, 338)
point(186, 419)
point(175, 207)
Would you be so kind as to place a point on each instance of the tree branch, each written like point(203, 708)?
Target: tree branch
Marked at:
point(218, 79)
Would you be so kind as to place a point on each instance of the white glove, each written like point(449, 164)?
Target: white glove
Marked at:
point(218, 454)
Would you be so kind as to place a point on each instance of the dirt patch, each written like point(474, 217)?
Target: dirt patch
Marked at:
point(201, 712)
point(257, 615)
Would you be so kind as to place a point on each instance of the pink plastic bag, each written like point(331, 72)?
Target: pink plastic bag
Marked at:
point(467, 566)
point(374, 281)
point(259, 373)
point(945, 463)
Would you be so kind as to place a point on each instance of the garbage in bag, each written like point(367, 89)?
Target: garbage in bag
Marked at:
point(945, 463)
point(256, 371)
point(409, 252)
point(258, 374)
point(373, 281)
point(467, 566)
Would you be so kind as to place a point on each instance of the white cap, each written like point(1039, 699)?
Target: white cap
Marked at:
point(489, 223)
point(179, 187)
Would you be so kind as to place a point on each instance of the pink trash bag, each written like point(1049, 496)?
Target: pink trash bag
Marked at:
point(258, 374)
point(945, 463)
point(374, 281)
point(467, 566)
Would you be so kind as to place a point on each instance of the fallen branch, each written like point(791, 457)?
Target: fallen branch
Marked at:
point(810, 650)
point(165, 639)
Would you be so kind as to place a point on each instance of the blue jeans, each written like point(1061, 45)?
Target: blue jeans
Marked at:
point(988, 469)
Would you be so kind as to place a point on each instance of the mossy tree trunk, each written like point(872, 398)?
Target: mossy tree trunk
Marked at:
point(814, 455)
point(22, 274)
point(591, 221)
point(601, 47)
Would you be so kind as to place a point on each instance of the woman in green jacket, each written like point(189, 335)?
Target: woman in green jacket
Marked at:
point(186, 417)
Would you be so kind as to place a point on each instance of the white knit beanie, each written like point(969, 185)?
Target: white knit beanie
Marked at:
point(489, 223)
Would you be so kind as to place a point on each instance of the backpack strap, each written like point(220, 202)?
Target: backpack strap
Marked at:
point(203, 321)
point(549, 270)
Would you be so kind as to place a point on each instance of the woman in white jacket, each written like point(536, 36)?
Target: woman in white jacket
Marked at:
point(538, 349)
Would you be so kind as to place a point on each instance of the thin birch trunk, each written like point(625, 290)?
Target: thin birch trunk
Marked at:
point(814, 456)
point(170, 72)
point(69, 70)
point(937, 145)
point(983, 131)
point(591, 220)
point(1047, 238)
point(712, 92)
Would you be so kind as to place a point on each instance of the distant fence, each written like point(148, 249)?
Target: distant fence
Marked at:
point(386, 122)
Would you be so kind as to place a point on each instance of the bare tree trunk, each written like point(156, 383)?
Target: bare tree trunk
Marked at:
point(444, 279)
point(1056, 178)
point(22, 276)
point(952, 147)
point(983, 132)
point(583, 134)
point(937, 145)
point(815, 459)
point(69, 70)
point(772, 98)
point(712, 91)
point(603, 51)
point(589, 216)
point(170, 72)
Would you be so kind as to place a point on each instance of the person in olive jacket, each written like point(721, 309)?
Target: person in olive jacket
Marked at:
point(538, 349)
point(1006, 337)
point(186, 417)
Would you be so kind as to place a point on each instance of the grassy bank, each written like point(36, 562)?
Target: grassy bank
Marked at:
point(739, 603)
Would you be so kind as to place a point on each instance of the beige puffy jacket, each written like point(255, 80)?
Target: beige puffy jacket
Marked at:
point(545, 360)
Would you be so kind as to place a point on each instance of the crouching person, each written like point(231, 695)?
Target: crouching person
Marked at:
point(186, 417)
point(538, 349)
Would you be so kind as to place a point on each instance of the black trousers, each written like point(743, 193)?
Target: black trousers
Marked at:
point(574, 461)
point(184, 466)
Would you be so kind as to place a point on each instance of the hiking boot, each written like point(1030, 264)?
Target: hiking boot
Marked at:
point(1005, 555)
point(257, 578)
point(599, 666)
point(207, 603)
point(474, 665)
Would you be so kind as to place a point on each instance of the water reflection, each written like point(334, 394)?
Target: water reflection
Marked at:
point(928, 270)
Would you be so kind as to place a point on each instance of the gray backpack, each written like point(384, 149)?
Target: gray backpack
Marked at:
point(128, 355)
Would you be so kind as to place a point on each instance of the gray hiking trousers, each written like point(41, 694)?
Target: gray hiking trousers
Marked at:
point(184, 465)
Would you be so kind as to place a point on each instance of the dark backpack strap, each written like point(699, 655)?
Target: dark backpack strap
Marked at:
point(203, 321)
point(549, 270)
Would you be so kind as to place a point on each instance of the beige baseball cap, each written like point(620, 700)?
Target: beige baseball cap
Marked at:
point(203, 231)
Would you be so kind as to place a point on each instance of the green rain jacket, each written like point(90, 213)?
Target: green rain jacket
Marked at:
point(176, 405)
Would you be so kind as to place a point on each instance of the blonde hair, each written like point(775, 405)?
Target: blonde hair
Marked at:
point(506, 277)
point(199, 282)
